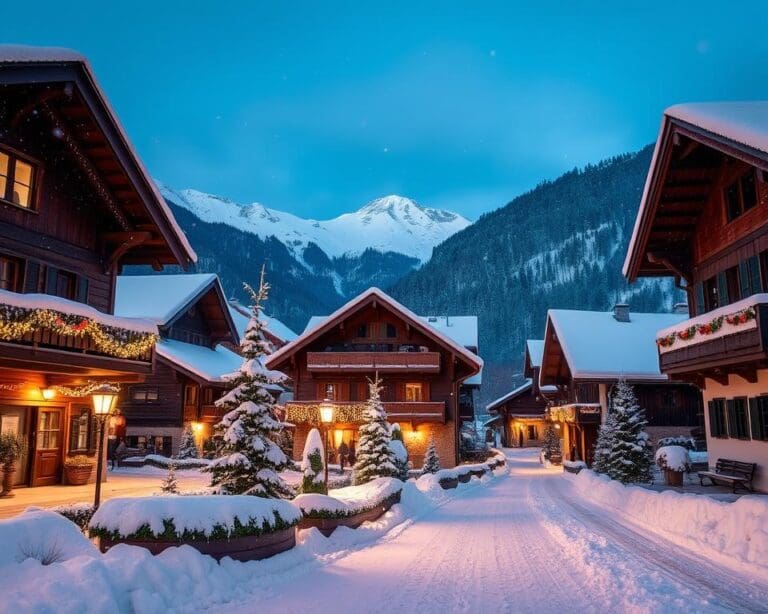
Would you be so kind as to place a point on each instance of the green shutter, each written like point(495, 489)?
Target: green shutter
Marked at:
point(700, 307)
point(714, 430)
point(722, 289)
point(731, 430)
point(754, 419)
point(754, 275)
point(82, 290)
point(744, 279)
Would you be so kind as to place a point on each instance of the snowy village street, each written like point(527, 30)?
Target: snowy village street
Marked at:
point(522, 543)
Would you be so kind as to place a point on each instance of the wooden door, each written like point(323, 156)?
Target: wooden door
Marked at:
point(48, 443)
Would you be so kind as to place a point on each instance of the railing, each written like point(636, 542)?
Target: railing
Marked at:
point(351, 412)
point(374, 361)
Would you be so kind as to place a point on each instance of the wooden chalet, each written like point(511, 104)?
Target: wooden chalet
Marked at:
point(196, 330)
point(703, 219)
point(75, 206)
point(586, 352)
point(275, 332)
point(522, 411)
point(421, 367)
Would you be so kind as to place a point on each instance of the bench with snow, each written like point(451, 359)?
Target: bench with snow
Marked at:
point(730, 472)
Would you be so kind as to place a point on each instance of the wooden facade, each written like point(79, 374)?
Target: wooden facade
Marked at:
point(421, 371)
point(717, 248)
point(75, 206)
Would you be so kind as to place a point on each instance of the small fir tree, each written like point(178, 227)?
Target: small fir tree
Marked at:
point(374, 456)
point(626, 453)
point(187, 445)
point(313, 464)
point(170, 485)
point(551, 443)
point(431, 459)
point(249, 461)
point(605, 441)
point(400, 452)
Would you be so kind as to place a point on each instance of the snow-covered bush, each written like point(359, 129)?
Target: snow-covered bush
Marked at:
point(673, 458)
point(313, 464)
point(431, 459)
point(163, 462)
point(351, 500)
point(201, 517)
point(79, 513)
point(187, 445)
point(399, 451)
point(686, 442)
point(249, 460)
point(374, 457)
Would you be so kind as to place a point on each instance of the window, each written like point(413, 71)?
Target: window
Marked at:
point(737, 418)
point(49, 430)
point(414, 392)
point(190, 394)
point(144, 395)
point(391, 331)
point(82, 431)
point(532, 433)
point(740, 196)
point(331, 391)
point(758, 413)
point(10, 274)
point(732, 284)
point(749, 277)
point(362, 331)
point(17, 180)
point(717, 418)
point(710, 294)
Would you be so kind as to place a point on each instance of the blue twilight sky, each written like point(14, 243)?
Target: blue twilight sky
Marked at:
point(318, 107)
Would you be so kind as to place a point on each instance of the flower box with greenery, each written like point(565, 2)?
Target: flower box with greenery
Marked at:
point(674, 461)
point(78, 469)
point(12, 449)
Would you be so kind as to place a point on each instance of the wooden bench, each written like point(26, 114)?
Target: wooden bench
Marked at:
point(732, 472)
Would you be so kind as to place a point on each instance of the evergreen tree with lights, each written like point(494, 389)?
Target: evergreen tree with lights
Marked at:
point(249, 461)
point(431, 459)
point(187, 445)
point(551, 443)
point(374, 456)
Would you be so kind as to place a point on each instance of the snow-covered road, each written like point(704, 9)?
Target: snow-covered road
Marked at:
point(523, 543)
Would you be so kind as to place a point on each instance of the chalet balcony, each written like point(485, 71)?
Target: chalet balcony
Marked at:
point(385, 362)
point(732, 339)
point(351, 412)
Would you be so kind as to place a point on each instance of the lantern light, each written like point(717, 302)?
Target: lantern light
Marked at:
point(197, 427)
point(327, 410)
point(48, 393)
point(104, 399)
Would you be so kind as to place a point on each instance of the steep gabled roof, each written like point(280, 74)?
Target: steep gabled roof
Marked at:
point(143, 206)
point(524, 387)
point(278, 330)
point(535, 351)
point(203, 364)
point(323, 325)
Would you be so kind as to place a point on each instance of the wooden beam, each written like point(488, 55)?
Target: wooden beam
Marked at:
point(129, 240)
point(748, 375)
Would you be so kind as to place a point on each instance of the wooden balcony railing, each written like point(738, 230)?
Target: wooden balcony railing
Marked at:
point(422, 362)
point(351, 412)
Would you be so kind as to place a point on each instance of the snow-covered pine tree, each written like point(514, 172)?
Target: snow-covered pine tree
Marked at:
point(629, 458)
point(431, 459)
point(551, 443)
point(313, 464)
point(249, 461)
point(605, 442)
point(187, 445)
point(397, 445)
point(170, 485)
point(374, 457)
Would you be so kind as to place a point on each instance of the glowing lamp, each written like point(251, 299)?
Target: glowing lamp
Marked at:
point(557, 426)
point(104, 399)
point(48, 393)
point(197, 427)
point(327, 410)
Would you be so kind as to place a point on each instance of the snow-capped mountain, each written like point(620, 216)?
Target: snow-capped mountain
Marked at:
point(389, 224)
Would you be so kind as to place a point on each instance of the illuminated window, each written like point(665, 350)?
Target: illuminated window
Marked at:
point(414, 392)
point(17, 180)
point(144, 395)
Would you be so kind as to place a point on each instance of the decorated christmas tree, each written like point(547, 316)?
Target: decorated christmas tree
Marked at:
point(170, 485)
point(399, 451)
point(187, 445)
point(551, 443)
point(374, 457)
point(431, 459)
point(313, 464)
point(625, 453)
point(249, 461)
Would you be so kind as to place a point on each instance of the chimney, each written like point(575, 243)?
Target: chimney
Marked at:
point(681, 308)
point(621, 312)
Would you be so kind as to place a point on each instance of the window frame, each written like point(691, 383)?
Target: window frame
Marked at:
point(412, 386)
point(136, 390)
point(738, 424)
point(37, 174)
point(18, 275)
point(90, 427)
point(730, 215)
point(718, 404)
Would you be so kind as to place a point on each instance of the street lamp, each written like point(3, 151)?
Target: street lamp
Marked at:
point(327, 409)
point(103, 398)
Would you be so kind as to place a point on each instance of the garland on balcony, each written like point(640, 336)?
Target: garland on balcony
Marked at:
point(310, 413)
point(707, 328)
point(15, 322)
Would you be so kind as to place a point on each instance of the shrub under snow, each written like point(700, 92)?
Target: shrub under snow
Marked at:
point(673, 458)
point(348, 501)
point(313, 464)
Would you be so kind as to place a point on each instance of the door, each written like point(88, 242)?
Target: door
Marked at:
point(15, 420)
point(47, 464)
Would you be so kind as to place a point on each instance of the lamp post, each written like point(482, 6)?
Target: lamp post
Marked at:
point(327, 409)
point(103, 398)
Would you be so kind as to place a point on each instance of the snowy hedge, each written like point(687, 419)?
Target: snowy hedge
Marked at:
point(207, 517)
point(345, 502)
point(79, 513)
point(163, 462)
point(736, 530)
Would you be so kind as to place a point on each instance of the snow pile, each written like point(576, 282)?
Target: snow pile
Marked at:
point(163, 462)
point(43, 535)
point(673, 458)
point(350, 500)
point(194, 517)
point(735, 530)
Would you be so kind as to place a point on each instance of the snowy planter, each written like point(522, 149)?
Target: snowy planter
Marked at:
point(350, 506)
point(245, 528)
point(450, 478)
point(574, 466)
point(674, 461)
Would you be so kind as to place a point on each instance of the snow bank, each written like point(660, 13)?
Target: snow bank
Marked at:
point(42, 535)
point(207, 516)
point(736, 530)
point(163, 462)
point(488, 466)
point(350, 500)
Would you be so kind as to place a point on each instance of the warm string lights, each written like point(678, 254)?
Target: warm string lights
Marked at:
point(16, 322)
point(85, 390)
point(309, 413)
point(707, 328)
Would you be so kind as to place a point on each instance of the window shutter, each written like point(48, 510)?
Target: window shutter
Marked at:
point(714, 430)
point(731, 430)
point(722, 290)
point(754, 419)
point(82, 290)
point(754, 275)
point(32, 278)
point(700, 308)
point(744, 279)
point(51, 274)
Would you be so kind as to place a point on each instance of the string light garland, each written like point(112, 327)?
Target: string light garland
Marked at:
point(733, 319)
point(16, 322)
point(309, 413)
point(85, 390)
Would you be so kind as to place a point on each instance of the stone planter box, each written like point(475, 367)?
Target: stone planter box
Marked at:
point(556, 459)
point(327, 526)
point(77, 476)
point(673, 478)
point(448, 483)
point(249, 548)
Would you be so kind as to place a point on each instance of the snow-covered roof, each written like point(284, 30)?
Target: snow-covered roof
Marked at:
point(206, 363)
point(158, 297)
point(535, 351)
point(62, 305)
point(27, 54)
point(598, 346)
point(272, 324)
point(525, 386)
